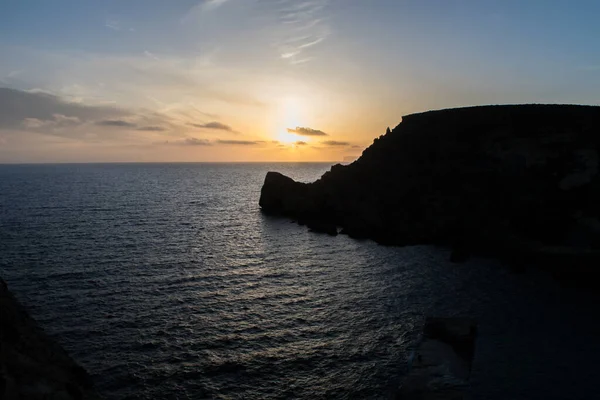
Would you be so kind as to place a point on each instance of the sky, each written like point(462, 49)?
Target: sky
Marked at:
point(271, 80)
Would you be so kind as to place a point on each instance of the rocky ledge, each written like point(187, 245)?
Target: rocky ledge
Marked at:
point(440, 366)
point(516, 181)
point(33, 366)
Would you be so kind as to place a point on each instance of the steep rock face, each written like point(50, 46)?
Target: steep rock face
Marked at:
point(489, 178)
point(32, 366)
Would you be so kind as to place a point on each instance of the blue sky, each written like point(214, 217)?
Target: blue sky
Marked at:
point(260, 69)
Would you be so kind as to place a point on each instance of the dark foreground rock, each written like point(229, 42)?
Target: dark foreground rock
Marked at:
point(506, 181)
point(32, 366)
point(322, 227)
point(440, 366)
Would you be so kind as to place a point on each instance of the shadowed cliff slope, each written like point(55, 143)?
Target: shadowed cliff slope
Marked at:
point(487, 179)
point(33, 366)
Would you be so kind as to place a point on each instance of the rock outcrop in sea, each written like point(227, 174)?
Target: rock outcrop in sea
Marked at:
point(33, 366)
point(514, 181)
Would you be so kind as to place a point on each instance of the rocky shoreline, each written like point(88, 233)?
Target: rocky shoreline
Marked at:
point(32, 365)
point(440, 366)
point(518, 182)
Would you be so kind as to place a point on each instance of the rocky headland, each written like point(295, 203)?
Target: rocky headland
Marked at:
point(33, 366)
point(517, 182)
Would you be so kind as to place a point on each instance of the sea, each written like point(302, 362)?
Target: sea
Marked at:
point(165, 281)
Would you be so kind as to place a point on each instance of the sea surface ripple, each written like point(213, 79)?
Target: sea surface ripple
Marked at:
point(166, 282)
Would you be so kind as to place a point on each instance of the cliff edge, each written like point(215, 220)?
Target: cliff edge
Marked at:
point(514, 181)
point(33, 366)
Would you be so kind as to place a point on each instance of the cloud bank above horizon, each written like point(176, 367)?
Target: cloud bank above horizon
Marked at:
point(260, 80)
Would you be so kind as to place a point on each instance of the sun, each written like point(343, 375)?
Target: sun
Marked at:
point(286, 137)
point(292, 111)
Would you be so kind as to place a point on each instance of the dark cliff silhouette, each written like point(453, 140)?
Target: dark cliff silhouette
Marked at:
point(516, 182)
point(32, 365)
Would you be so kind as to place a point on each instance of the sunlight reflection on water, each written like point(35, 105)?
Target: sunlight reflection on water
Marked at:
point(166, 280)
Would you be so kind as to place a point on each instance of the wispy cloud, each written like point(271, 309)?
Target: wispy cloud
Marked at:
point(117, 123)
point(113, 24)
point(151, 55)
point(8, 78)
point(310, 44)
point(192, 141)
point(335, 143)
point(301, 143)
point(239, 142)
point(213, 125)
point(151, 129)
point(189, 141)
point(195, 142)
point(138, 126)
point(44, 113)
point(57, 121)
point(19, 108)
point(177, 81)
point(202, 7)
point(305, 24)
point(307, 131)
point(297, 61)
point(212, 4)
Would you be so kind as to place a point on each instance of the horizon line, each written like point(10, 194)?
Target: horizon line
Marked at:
point(170, 162)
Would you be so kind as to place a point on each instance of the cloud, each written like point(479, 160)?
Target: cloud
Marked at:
point(213, 125)
point(212, 4)
point(301, 143)
point(335, 143)
point(239, 142)
point(178, 81)
point(10, 77)
point(189, 141)
point(151, 129)
point(305, 24)
point(151, 55)
point(117, 123)
point(201, 8)
point(307, 131)
point(113, 24)
point(57, 121)
point(19, 108)
point(302, 46)
point(44, 113)
point(196, 142)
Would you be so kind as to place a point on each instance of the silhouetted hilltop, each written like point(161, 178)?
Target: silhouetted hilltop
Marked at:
point(512, 181)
